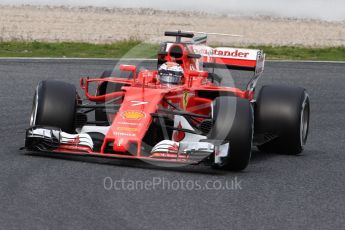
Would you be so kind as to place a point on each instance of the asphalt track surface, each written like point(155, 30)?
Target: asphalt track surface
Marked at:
point(274, 192)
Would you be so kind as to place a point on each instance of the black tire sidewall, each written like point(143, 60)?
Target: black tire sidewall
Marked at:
point(233, 123)
point(56, 105)
point(272, 100)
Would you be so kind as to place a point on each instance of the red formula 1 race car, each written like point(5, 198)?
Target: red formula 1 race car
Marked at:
point(177, 113)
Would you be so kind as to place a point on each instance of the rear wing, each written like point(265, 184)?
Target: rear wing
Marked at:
point(232, 58)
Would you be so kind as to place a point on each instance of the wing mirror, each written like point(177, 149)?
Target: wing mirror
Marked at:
point(129, 68)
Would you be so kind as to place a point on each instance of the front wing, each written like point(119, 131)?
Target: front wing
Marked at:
point(47, 139)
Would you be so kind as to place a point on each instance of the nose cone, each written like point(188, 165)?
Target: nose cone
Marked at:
point(134, 118)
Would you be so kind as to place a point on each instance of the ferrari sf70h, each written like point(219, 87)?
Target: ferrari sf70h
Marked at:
point(177, 113)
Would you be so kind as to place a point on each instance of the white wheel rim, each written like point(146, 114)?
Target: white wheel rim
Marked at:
point(33, 116)
point(304, 122)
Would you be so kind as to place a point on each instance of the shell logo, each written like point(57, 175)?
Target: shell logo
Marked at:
point(133, 115)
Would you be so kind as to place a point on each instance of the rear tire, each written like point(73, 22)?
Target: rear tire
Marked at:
point(54, 105)
point(233, 123)
point(283, 111)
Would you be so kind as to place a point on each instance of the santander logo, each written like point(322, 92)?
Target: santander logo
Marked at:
point(226, 52)
point(229, 53)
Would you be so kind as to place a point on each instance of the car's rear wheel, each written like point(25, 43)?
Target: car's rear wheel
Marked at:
point(54, 105)
point(233, 123)
point(283, 111)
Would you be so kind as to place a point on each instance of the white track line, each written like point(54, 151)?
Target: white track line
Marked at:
point(86, 59)
point(307, 61)
point(145, 59)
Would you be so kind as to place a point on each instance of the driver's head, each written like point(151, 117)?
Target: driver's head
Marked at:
point(170, 73)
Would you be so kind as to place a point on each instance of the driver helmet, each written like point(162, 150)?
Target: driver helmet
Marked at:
point(170, 73)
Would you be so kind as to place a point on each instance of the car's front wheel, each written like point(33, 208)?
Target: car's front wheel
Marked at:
point(233, 124)
point(54, 105)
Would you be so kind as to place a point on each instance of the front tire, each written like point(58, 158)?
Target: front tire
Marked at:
point(233, 123)
point(54, 105)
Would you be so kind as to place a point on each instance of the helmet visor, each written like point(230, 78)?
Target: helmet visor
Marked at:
point(170, 77)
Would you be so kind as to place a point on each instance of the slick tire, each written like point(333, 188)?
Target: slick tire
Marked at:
point(54, 105)
point(233, 123)
point(283, 111)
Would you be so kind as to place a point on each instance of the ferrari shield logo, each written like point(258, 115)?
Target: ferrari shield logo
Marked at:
point(185, 100)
